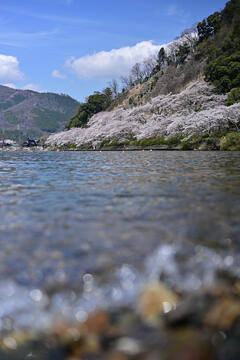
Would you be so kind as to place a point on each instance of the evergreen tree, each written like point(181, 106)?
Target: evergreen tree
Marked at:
point(161, 58)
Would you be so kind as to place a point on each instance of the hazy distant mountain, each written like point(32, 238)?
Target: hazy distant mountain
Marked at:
point(26, 113)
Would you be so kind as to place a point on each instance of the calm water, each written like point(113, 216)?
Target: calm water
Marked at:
point(82, 228)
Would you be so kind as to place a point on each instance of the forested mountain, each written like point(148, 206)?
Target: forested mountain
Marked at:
point(26, 113)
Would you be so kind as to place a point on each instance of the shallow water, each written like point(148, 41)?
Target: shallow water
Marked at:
point(83, 229)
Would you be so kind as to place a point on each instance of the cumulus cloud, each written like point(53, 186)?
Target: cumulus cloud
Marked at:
point(31, 86)
point(114, 63)
point(58, 75)
point(9, 68)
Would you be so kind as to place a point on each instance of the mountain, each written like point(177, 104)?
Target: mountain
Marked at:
point(26, 113)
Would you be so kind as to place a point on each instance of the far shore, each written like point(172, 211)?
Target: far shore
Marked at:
point(223, 141)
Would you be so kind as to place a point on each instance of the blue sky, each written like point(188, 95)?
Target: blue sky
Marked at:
point(66, 46)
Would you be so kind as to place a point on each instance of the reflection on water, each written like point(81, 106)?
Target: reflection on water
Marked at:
point(68, 214)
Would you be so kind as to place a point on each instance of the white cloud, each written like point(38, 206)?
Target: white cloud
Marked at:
point(31, 86)
point(58, 75)
point(9, 68)
point(114, 63)
point(11, 85)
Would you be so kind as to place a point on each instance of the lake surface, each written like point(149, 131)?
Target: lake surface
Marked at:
point(80, 230)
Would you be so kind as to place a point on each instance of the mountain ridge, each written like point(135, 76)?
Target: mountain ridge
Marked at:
point(28, 113)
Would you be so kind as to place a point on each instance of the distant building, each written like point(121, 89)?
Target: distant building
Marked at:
point(7, 142)
point(30, 143)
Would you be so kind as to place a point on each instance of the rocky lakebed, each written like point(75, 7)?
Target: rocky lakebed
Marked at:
point(138, 259)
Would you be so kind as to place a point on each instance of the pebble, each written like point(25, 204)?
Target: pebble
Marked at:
point(128, 346)
point(155, 300)
point(203, 326)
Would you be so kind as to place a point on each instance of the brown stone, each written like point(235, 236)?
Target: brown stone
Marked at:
point(97, 323)
point(223, 313)
point(116, 356)
point(189, 344)
point(155, 300)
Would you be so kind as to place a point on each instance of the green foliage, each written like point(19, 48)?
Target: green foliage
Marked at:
point(231, 41)
point(142, 143)
point(230, 142)
point(211, 51)
point(224, 72)
point(94, 104)
point(11, 118)
point(209, 142)
point(63, 102)
point(202, 142)
point(161, 58)
point(231, 12)
point(219, 40)
point(209, 26)
point(5, 105)
point(186, 145)
point(154, 81)
point(110, 143)
point(182, 53)
point(17, 99)
point(109, 95)
point(48, 120)
point(72, 146)
point(155, 141)
point(48, 115)
point(233, 97)
point(173, 140)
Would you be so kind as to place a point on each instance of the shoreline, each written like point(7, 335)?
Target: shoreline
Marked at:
point(139, 149)
point(223, 141)
point(226, 141)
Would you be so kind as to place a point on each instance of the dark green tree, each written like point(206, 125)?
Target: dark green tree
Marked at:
point(182, 53)
point(109, 95)
point(220, 37)
point(94, 104)
point(209, 26)
point(233, 97)
point(161, 58)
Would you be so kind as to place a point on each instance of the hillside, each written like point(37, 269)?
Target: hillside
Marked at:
point(26, 113)
point(170, 79)
point(191, 89)
point(167, 119)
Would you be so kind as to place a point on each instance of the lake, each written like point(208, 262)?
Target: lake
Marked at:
point(80, 230)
